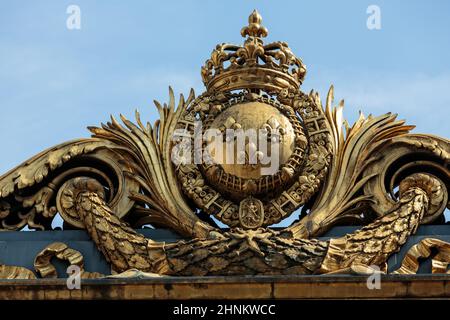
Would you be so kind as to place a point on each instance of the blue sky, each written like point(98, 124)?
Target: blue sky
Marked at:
point(55, 82)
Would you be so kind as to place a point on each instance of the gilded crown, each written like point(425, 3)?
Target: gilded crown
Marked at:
point(254, 65)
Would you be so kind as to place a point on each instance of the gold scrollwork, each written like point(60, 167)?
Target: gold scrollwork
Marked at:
point(374, 173)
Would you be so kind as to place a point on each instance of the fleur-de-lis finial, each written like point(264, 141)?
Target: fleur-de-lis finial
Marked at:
point(254, 28)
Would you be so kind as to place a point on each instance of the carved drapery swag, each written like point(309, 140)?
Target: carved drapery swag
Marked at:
point(374, 173)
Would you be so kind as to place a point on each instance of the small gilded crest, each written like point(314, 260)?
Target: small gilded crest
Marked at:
point(251, 213)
